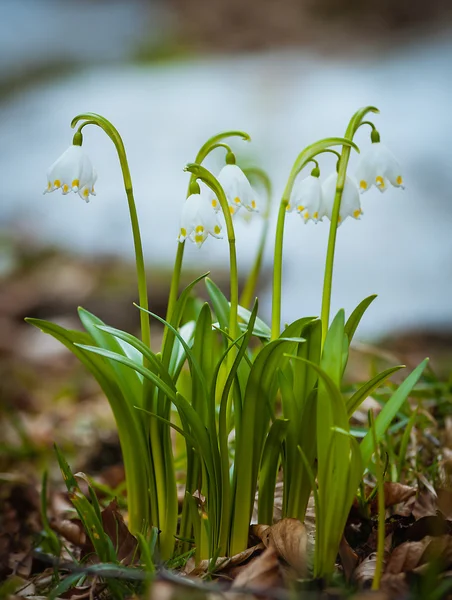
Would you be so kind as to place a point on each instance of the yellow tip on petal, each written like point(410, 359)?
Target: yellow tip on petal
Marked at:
point(199, 239)
point(300, 208)
point(231, 210)
point(183, 232)
point(363, 184)
point(214, 203)
point(316, 215)
point(75, 183)
point(237, 200)
point(253, 203)
point(86, 192)
point(306, 215)
point(65, 188)
point(356, 213)
point(399, 180)
point(217, 229)
point(199, 229)
point(57, 183)
point(379, 181)
point(49, 186)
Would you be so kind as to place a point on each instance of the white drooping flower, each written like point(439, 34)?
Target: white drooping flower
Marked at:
point(237, 189)
point(306, 199)
point(378, 166)
point(198, 219)
point(350, 202)
point(73, 171)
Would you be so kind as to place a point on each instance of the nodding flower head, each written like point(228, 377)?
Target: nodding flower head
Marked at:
point(237, 189)
point(350, 203)
point(198, 219)
point(74, 172)
point(306, 199)
point(377, 166)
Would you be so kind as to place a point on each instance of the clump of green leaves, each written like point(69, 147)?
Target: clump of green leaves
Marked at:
point(248, 400)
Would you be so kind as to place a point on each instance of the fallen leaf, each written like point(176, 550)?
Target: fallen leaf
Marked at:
point(124, 542)
point(262, 573)
point(349, 558)
point(289, 539)
point(407, 556)
point(394, 585)
point(222, 563)
point(364, 573)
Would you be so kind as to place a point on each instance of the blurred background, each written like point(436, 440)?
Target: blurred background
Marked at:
point(169, 74)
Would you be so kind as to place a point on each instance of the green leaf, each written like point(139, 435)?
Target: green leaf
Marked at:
point(175, 320)
point(52, 543)
point(356, 316)
point(269, 470)
point(128, 381)
point(261, 329)
point(90, 519)
point(131, 434)
point(219, 302)
point(366, 390)
point(389, 411)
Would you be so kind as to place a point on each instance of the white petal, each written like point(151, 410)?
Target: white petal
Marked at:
point(237, 188)
point(306, 198)
point(378, 166)
point(71, 171)
point(198, 219)
point(350, 202)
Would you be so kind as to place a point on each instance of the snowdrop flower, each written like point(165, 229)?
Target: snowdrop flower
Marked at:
point(198, 219)
point(237, 189)
point(350, 203)
point(378, 166)
point(306, 198)
point(73, 171)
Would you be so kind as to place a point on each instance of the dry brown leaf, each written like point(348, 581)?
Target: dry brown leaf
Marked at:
point(262, 573)
point(444, 502)
point(395, 493)
point(394, 585)
point(364, 573)
point(289, 538)
point(71, 530)
point(124, 542)
point(407, 556)
point(349, 558)
point(222, 563)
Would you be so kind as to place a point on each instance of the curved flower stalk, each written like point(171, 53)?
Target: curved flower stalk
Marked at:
point(355, 122)
point(306, 156)
point(378, 166)
point(72, 171)
point(113, 134)
point(210, 145)
point(198, 218)
point(207, 178)
point(350, 204)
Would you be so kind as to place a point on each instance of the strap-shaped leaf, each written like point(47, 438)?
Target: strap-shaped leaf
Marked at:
point(356, 316)
point(355, 401)
point(389, 411)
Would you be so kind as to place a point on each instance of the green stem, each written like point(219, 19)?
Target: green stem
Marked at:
point(206, 176)
point(355, 122)
point(248, 291)
point(113, 134)
point(303, 158)
point(381, 509)
point(211, 144)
